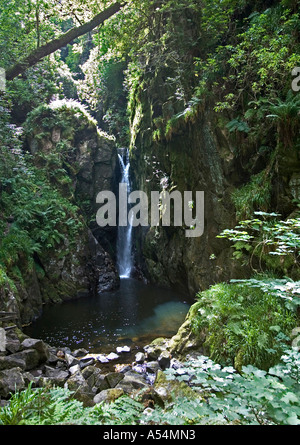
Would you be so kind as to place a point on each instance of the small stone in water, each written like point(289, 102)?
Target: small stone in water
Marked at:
point(102, 358)
point(140, 357)
point(112, 356)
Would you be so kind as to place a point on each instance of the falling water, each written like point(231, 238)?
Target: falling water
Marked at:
point(124, 241)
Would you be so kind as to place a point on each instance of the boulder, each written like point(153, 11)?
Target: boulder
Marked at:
point(140, 357)
point(152, 367)
point(12, 345)
point(82, 391)
point(74, 369)
point(155, 349)
point(164, 360)
point(55, 377)
point(93, 377)
point(113, 378)
point(37, 345)
point(2, 340)
point(131, 383)
point(71, 360)
point(10, 361)
point(31, 358)
point(75, 382)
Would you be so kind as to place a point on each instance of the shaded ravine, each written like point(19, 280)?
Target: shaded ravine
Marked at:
point(133, 315)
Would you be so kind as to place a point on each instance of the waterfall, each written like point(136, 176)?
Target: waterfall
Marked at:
point(124, 241)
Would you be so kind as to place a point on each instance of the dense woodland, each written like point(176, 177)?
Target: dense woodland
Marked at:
point(210, 90)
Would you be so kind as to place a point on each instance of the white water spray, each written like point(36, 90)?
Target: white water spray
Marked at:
point(124, 241)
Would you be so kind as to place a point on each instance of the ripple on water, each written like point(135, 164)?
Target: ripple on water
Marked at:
point(133, 315)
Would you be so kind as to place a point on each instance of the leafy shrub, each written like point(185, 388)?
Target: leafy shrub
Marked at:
point(242, 325)
point(252, 397)
point(255, 195)
point(272, 242)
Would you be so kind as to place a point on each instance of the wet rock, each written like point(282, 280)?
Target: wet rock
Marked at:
point(112, 356)
point(152, 367)
point(121, 349)
point(11, 380)
point(140, 357)
point(12, 361)
point(102, 358)
point(123, 368)
point(31, 358)
point(113, 378)
point(71, 360)
point(164, 360)
point(87, 360)
point(108, 395)
point(55, 377)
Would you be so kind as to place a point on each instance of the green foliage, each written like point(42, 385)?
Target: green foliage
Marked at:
point(222, 396)
point(124, 411)
point(252, 397)
point(285, 288)
point(254, 196)
point(283, 114)
point(19, 407)
point(271, 242)
point(242, 325)
point(35, 216)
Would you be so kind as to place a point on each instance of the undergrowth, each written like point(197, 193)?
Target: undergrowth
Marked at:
point(223, 396)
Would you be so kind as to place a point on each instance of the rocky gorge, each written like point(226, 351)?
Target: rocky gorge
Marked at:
point(164, 97)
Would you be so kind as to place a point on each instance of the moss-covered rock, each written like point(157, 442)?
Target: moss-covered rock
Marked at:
point(170, 390)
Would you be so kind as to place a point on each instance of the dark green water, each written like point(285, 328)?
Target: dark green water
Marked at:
point(133, 315)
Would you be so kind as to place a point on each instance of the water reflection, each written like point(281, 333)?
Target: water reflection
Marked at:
point(135, 313)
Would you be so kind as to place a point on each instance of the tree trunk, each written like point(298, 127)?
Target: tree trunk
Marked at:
point(61, 41)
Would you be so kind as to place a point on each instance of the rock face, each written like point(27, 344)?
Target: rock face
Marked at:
point(198, 158)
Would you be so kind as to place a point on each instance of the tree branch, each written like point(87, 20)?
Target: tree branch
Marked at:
point(61, 41)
